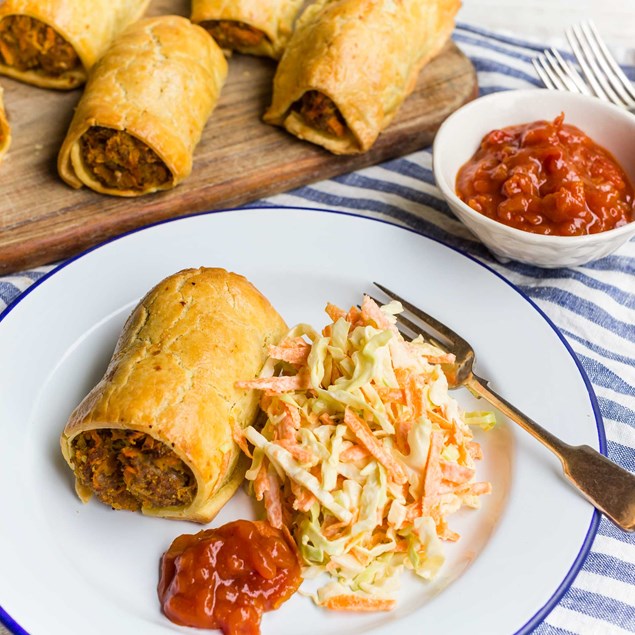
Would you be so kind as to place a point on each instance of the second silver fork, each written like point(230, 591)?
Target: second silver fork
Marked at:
point(604, 78)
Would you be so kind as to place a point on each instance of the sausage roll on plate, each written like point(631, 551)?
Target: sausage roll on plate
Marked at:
point(5, 130)
point(156, 433)
point(144, 109)
point(54, 43)
point(257, 27)
point(351, 63)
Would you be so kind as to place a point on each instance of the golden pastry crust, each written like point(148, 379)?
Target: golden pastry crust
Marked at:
point(5, 129)
point(274, 18)
point(159, 82)
point(365, 56)
point(89, 27)
point(172, 376)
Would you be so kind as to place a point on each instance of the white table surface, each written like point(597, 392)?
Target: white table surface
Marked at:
point(545, 21)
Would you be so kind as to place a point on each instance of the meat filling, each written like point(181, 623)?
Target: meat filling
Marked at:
point(321, 113)
point(120, 161)
point(230, 34)
point(28, 44)
point(127, 469)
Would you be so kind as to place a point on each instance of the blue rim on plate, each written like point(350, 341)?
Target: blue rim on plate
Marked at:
point(557, 595)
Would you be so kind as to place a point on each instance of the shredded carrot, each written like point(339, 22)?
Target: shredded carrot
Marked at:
point(334, 312)
point(354, 316)
point(477, 489)
point(432, 478)
point(390, 394)
point(372, 313)
point(261, 483)
point(294, 351)
point(475, 451)
point(448, 358)
point(445, 533)
point(365, 436)
point(239, 439)
point(297, 451)
point(354, 453)
point(326, 419)
point(331, 531)
point(301, 381)
point(435, 417)
point(402, 430)
point(289, 424)
point(273, 504)
point(456, 473)
point(358, 603)
point(303, 499)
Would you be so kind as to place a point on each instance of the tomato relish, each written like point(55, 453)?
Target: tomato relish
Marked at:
point(227, 577)
point(547, 178)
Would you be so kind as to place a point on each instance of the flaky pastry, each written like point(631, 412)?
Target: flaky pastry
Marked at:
point(144, 109)
point(257, 27)
point(351, 63)
point(156, 433)
point(54, 43)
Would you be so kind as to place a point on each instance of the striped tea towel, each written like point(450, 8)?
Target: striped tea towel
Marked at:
point(593, 305)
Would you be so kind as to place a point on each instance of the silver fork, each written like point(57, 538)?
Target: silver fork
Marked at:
point(604, 78)
point(604, 484)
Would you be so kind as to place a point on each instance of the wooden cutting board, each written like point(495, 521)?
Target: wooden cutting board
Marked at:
point(239, 159)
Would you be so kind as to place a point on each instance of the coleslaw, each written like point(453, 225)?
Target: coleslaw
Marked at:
point(364, 455)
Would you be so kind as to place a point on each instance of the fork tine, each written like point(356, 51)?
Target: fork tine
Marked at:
point(571, 73)
point(607, 62)
point(587, 60)
point(454, 338)
point(554, 79)
point(402, 320)
point(560, 67)
point(542, 74)
point(577, 51)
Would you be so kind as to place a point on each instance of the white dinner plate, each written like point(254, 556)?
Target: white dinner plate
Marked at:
point(69, 569)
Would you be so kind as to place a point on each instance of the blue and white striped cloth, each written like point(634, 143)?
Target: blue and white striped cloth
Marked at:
point(594, 307)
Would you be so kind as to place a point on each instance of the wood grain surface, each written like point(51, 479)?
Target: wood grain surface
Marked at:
point(239, 159)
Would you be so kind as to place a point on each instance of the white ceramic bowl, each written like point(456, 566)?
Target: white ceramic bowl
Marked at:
point(460, 136)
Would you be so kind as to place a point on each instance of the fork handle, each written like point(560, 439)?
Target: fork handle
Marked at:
point(606, 485)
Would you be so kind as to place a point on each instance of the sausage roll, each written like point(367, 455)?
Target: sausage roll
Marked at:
point(156, 433)
point(351, 63)
point(257, 27)
point(5, 130)
point(144, 109)
point(54, 43)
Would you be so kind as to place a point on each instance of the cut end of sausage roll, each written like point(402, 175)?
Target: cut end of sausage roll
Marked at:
point(253, 27)
point(234, 35)
point(120, 162)
point(31, 48)
point(321, 113)
point(315, 117)
point(131, 470)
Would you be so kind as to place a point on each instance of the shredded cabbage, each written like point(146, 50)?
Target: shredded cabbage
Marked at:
point(364, 454)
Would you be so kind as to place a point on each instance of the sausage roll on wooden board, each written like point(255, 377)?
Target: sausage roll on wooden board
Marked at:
point(54, 43)
point(256, 27)
point(5, 129)
point(155, 434)
point(351, 63)
point(144, 109)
